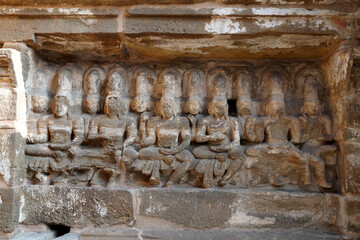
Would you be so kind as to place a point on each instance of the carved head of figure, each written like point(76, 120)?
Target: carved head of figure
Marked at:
point(167, 107)
point(244, 107)
point(312, 104)
point(39, 103)
point(114, 82)
point(275, 108)
point(313, 109)
point(91, 104)
point(219, 107)
point(60, 105)
point(141, 103)
point(193, 106)
point(113, 105)
point(92, 82)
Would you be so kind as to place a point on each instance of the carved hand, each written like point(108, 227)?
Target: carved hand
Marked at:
point(168, 151)
point(30, 139)
point(216, 137)
point(221, 148)
point(60, 146)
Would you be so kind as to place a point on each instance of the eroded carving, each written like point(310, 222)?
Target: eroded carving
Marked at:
point(182, 126)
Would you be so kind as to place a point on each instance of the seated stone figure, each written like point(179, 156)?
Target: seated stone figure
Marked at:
point(112, 128)
point(221, 132)
point(163, 151)
point(57, 135)
point(115, 132)
point(316, 133)
point(278, 161)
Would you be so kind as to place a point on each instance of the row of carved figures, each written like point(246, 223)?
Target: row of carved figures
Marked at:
point(162, 142)
point(194, 85)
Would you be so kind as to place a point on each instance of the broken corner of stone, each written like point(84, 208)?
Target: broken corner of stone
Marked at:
point(181, 35)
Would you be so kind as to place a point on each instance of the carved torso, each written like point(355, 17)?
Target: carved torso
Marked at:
point(277, 129)
point(168, 131)
point(218, 127)
point(60, 130)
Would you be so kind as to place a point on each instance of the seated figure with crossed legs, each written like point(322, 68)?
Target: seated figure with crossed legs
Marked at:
point(221, 132)
point(162, 141)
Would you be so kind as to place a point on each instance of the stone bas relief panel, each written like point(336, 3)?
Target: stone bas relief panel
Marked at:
point(238, 125)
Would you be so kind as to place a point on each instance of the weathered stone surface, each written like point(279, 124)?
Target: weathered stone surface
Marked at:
point(233, 47)
point(349, 216)
point(106, 233)
point(76, 207)
point(351, 168)
point(240, 208)
point(69, 236)
point(12, 171)
point(35, 236)
point(96, 2)
point(111, 233)
point(10, 206)
point(86, 46)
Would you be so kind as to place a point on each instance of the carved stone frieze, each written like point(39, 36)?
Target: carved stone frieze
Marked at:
point(213, 124)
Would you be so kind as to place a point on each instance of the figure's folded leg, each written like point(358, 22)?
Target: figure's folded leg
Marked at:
point(238, 158)
point(187, 162)
point(42, 150)
point(319, 168)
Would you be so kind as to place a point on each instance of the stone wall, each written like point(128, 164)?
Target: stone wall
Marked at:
point(119, 112)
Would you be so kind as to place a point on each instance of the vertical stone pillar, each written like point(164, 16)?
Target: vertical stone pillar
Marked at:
point(12, 138)
point(343, 74)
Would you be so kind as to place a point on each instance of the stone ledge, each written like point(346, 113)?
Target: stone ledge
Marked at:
point(177, 208)
point(119, 233)
point(76, 207)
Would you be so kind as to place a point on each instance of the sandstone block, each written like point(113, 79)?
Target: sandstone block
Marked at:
point(349, 221)
point(76, 207)
point(230, 208)
point(351, 168)
point(10, 205)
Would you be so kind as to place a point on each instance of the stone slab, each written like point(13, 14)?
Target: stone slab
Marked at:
point(230, 208)
point(35, 236)
point(76, 207)
point(233, 234)
point(10, 204)
point(232, 47)
point(69, 236)
point(349, 220)
point(350, 168)
point(12, 170)
point(96, 2)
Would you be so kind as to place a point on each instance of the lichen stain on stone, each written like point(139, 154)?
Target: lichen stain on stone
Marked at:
point(101, 208)
point(156, 209)
point(224, 25)
point(242, 219)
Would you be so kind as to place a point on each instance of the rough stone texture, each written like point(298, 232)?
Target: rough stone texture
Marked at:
point(35, 236)
point(349, 216)
point(193, 30)
point(351, 163)
point(10, 205)
point(76, 207)
point(112, 30)
point(241, 208)
point(119, 233)
point(69, 236)
point(96, 2)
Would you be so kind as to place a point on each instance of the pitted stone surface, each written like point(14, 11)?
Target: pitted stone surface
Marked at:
point(240, 208)
point(76, 207)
